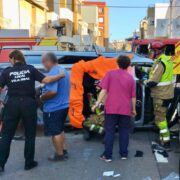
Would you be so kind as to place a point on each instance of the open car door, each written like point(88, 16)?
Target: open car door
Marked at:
point(97, 69)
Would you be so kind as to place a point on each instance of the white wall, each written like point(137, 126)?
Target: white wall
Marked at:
point(25, 15)
point(54, 16)
point(11, 12)
point(90, 14)
point(66, 13)
point(161, 11)
point(176, 10)
point(56, 9)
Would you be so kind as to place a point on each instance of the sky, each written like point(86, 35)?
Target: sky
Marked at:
point(123, 22)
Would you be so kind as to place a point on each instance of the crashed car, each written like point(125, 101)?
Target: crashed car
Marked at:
point(84, 75)
point(144, 116)
point(140, 67)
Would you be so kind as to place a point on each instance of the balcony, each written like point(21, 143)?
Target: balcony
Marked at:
point(66, 14)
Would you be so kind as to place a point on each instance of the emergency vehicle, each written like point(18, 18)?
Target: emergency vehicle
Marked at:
point(144, 47)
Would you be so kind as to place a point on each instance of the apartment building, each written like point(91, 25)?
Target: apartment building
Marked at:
point(24, 14)
point(90, 15)
point(66, 19)
point(42, 17)
point(70, 19)
point(103, 22)
point(162, 21)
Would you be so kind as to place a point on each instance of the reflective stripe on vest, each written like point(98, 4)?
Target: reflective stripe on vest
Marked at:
point(166, 138)
point(163, 131)
point(166, 83)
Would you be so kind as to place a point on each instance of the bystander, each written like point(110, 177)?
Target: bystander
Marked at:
point(118, 89)
point(55, 98)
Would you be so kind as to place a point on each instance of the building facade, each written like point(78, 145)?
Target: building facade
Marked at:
point(70, 21)
point(90, 15)
point(103, 22)
point(24, 14)
point(42, 17)
point(162, 21)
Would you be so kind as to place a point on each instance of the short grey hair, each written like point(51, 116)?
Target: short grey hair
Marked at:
point(51, 57)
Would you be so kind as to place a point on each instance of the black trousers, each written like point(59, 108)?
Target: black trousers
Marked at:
point(16, 109)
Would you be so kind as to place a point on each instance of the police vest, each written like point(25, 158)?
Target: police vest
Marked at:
point(167, 77)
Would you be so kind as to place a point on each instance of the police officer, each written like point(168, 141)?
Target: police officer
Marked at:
point(161, 82)
point(21, 105)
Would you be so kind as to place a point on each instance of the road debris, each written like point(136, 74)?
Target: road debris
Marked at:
point(117, 175)
point(139, 154)
point(172, 176)
point(160, 158)
point(111, 174)
point(160, 153)
point(108, 173)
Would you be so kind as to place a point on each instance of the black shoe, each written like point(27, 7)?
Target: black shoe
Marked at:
point(66, 155)
point(56, 158)
point(31, 166)
point(157, 146)
point(167, 146)
point(1, 169)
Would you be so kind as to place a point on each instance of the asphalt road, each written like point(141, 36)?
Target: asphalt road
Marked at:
point(84, 164)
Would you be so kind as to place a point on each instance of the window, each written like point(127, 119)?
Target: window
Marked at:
point(101, 19)
point(101, 10)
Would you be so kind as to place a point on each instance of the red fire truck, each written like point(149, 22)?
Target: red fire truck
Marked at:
point(142, 47)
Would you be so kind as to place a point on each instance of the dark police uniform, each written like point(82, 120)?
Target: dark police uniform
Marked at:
point(21, 105)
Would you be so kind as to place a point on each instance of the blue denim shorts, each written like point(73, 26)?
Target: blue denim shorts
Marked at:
point(54, 122)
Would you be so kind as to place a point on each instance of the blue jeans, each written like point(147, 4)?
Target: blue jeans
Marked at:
point(124, 124)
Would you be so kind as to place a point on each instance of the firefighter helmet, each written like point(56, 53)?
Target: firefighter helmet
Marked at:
point(157, 45)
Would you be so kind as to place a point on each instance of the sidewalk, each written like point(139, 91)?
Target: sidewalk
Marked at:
point(84, 164)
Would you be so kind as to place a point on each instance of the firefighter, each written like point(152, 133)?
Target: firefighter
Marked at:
point(161, 82)
point(20, 80)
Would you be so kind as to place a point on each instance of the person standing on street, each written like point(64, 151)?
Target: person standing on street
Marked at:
point(119, 91)
point(161, 83)
point(55, 98)
point(21, 105)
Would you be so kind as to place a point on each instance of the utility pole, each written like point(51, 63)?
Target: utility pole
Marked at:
point(171, 19)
